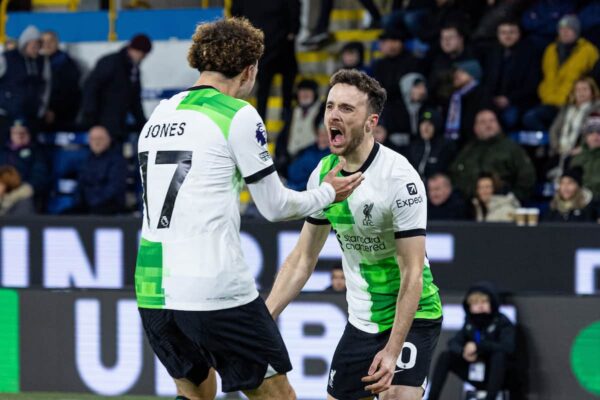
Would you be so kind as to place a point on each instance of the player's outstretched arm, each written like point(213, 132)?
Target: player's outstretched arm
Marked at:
point(411, 254)
point(297, 268)
point(278, 203)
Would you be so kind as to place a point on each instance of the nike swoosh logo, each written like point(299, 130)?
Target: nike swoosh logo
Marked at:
point(399, 370)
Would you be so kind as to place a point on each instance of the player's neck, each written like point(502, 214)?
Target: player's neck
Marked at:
point(230, 87)
point(357, 158)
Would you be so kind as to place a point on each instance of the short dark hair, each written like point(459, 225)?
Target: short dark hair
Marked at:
point(363, 82)
point(226, 46)
point(509, 21)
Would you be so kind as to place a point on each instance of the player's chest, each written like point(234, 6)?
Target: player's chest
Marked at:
point(366, 210)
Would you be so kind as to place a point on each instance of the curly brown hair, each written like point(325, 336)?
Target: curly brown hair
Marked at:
point(226, 46)
point(375, 93)
point(10, 177)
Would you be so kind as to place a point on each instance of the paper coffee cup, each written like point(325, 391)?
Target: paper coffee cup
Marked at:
point(533, 216)
point(521, 216)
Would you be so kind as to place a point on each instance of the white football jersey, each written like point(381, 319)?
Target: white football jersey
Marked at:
point(195, 151)
point(389, 204)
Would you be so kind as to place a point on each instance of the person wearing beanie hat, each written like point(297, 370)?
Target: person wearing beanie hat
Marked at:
point(25, 80)
point(430, 153)
point(572, 202)
point(565, 60)
point(113, 90)
point(589, 158)
point(468, 98)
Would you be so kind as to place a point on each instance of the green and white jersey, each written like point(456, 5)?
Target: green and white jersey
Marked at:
point(389, 204)
point(194, 152)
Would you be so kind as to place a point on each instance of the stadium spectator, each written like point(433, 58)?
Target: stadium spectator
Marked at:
point(280, 22)
point(512, 74)
point(491, 151)
point(467, 99)
point(101, 183)
point(443, 203)
point(572, 202)
point(589, 158)
point(413, 89)
point(16, 197)
point(112, 92)
point(491, 206)
point(352, 56)
point(22, 153)
point(338, 280)
point(487, 337)
point(565, 132)
point(307, 160)
point(65, 95)
point(487, 16)
point(453, 50)
point(443, 13)
point(299, 133)
point(25, 78)
point(430, 152)
point(389, 70)
point(321, 36)
point(564, 61)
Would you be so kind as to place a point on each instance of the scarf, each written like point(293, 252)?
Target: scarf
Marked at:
point(452, 131)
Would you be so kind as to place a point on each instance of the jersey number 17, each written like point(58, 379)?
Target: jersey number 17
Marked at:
point(183, 159)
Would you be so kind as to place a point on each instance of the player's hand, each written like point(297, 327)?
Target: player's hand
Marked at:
point(381, 372)
point(343, 185)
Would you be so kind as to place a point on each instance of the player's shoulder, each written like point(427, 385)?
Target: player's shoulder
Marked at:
point(210, 100)
point(395, 165)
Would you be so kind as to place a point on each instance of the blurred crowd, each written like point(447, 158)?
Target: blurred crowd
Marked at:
point(495, 103)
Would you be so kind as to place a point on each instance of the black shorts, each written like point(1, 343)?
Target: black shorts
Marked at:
point(356, 350)
point(240, 343)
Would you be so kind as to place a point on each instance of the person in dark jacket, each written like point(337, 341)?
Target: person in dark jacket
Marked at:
point(405, 117)
point(389, 70)
point(65, 95)
point(280, 22)
point(481, 351)
point(443, 203)
point(25, 79)
point(22, 153)
point(101, 184)
point(467, 99)
point(512, 74)
point(430, 152)
point(572, 202)
point(452, 49)
point(112, 92)
point(494, 153)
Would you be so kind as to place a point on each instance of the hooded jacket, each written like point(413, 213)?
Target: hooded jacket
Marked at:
point(496, 334)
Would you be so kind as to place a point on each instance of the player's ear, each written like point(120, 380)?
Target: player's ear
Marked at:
point(371, 123)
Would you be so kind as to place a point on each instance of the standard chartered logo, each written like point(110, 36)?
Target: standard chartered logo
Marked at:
point(363, 243)
point(585, 358)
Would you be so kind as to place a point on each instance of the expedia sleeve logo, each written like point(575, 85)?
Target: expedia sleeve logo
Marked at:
point(412, 190)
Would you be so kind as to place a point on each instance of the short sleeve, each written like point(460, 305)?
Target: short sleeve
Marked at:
point(409, 206)
point(319, 217)
point(248, 143)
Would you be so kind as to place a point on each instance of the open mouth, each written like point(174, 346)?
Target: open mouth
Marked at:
point(336, 136)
